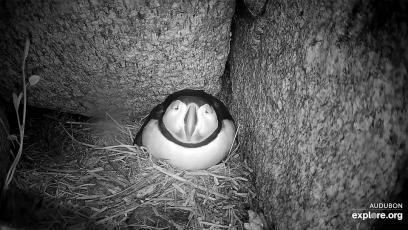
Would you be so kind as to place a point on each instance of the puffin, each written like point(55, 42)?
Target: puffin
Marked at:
point(190, 130)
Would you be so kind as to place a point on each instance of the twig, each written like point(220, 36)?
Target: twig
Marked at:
point(213, 225)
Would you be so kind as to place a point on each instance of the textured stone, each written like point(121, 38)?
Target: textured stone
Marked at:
point(113, 56)
point(255, 7)
point(320, 91)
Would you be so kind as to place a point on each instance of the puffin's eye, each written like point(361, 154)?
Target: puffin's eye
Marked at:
point(175, 106)
point(208, 109)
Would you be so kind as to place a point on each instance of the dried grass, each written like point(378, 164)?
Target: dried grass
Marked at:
point(95, 179)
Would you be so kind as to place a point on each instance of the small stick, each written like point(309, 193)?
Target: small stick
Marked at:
point(213, 225)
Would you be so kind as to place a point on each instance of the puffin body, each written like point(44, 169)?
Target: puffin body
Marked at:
point(190, 130)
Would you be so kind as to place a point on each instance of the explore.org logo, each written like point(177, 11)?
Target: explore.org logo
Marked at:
point(390, 211)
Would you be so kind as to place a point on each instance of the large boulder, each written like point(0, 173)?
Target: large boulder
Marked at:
point(113, 56)
point(320, 91)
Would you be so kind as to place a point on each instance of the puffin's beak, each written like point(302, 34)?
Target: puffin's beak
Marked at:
point(190, 121)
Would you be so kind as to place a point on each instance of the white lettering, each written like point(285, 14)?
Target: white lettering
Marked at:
point(385, 206)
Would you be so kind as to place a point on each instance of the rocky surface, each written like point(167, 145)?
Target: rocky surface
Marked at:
point(120, 57)
point(320, 92)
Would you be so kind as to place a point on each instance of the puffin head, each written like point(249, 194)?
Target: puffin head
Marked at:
point(190, 119)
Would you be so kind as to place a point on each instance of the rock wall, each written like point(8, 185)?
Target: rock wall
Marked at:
point(113, 56)
point(320, 91)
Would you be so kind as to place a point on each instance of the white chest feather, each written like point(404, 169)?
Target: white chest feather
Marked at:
point(188, 158)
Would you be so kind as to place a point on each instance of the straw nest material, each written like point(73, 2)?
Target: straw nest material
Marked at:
point(91, 177)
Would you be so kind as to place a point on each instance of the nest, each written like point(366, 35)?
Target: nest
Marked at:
point(91, 178)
